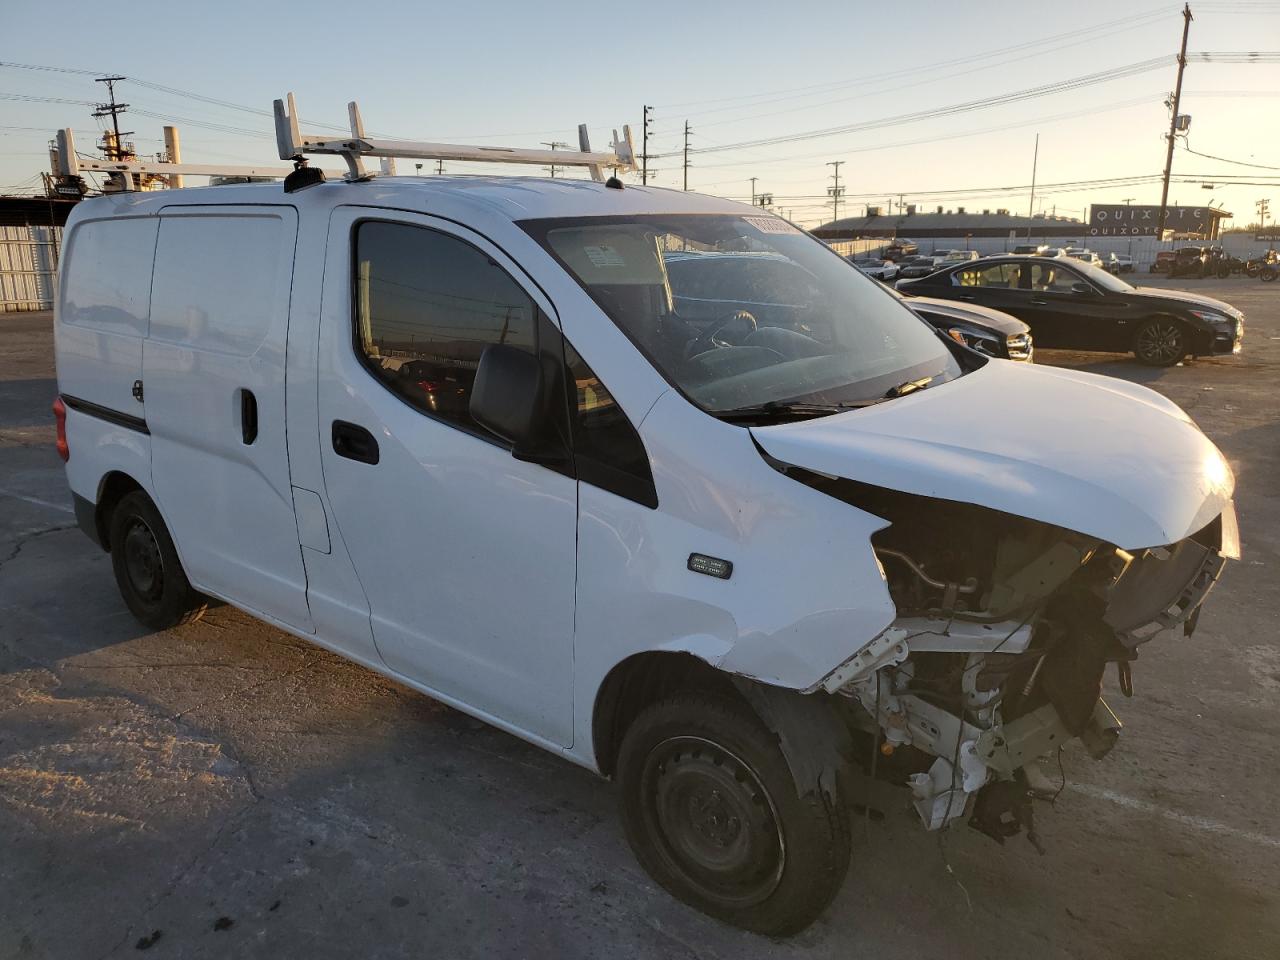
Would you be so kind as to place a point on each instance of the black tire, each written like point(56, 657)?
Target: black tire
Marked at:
point(1268, 273)
point(713, 814)
point(1160, 342)
point(150, 576)
point(1224, 271)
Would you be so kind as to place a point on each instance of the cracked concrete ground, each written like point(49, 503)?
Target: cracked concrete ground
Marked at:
point(224, 789)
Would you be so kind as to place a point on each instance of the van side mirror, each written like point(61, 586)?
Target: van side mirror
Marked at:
point(1081, 287)
point(506, 398)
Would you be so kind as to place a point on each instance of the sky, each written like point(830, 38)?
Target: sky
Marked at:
point(520, 74)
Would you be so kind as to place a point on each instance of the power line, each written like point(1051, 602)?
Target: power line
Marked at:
point(1061, 86)
point(912, 70)
point(1239, 163)
point(896, 85)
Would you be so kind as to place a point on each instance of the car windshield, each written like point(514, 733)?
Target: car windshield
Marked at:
point(747, 312)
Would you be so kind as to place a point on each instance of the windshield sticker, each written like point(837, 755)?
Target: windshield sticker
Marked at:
point(604, 255)
point(771, 225)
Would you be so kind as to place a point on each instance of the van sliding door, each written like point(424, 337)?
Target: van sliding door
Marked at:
point(214, 375)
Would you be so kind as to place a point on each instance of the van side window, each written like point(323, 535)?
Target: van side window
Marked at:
point(607, 450)
point(426, 306)
point(109, 289)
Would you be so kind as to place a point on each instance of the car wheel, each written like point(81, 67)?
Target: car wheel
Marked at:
point(146, 566)
point(713, 813)
point(1224, 272)
point(1268, 273)
point(1160, 342)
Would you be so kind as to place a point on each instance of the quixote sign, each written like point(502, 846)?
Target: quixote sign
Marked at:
point(1125, 221)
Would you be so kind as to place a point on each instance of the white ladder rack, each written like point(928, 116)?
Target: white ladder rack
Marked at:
point(71, 164)
point(294, 145)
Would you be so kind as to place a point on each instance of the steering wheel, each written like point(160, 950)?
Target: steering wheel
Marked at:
point(713, 339)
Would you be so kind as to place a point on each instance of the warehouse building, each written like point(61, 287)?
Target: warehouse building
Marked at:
point(957, 223)
point(30, 240)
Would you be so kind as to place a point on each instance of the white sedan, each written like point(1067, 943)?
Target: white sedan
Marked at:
point(883, 270)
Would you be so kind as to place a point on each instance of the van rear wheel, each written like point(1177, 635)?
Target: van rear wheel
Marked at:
point(146, 566)
point(713, 813)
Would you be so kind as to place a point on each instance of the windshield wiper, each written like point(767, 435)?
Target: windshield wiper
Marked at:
point(910, 386)
point(785, 408)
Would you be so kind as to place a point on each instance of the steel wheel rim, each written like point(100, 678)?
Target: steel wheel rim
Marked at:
point(713, 821)
point(1161, 341)
point(143, 561)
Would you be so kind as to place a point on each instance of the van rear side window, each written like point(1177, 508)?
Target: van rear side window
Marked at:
point(218, 281)
point(427, 304)
point(108, 275)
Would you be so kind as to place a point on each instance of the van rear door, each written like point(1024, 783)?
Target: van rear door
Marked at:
point(214, 373)
point(102, 315)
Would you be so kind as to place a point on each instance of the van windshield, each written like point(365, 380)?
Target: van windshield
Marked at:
point(748, 314)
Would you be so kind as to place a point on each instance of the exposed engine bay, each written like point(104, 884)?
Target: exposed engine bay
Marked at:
point(1005, 629)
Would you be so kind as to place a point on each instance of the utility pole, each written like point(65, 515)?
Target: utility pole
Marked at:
point(835, 192)
point(1264, 207)
point(1035, 161)
point(554, 145)
point(439, 167)
point(687, 131)
point(113, 110)
point(1173, 122)
point(644, 150)
point(753, 190)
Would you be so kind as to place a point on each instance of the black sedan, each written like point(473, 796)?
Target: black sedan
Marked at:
point(980, 328)
point(915, 266)
point(1073, 306)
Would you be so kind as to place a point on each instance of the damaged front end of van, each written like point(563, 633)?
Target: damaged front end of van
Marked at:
point(1005, 629)
point(1018, 583)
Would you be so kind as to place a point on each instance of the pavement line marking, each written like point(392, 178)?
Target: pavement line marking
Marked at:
point(1186, 819)
point(36, 500)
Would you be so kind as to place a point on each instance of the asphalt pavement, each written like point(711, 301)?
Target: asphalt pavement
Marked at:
point(227, 790)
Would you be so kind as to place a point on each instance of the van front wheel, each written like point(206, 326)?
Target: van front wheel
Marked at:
point(713, 813)
point(146, 566)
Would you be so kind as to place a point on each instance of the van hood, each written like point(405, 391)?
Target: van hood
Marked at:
point(1187, 299)
point(1089, 453)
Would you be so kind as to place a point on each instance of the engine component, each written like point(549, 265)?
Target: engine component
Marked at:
point(1003, 809)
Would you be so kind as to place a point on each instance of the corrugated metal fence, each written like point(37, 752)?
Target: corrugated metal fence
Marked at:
point(28, 267)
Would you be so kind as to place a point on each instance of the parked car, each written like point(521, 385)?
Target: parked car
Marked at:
point(915, 266)
point(1119, 263)
point(1072, 305)
point(877, 269)
point(1052, 252)
point(988, 331)
point(902, 247)
point(1190, 262)
point(941, 257)
point(1027, 248)
point(1084, 255)
point(714, 538)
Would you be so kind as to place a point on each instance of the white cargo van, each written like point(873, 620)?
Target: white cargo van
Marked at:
point(750, 553)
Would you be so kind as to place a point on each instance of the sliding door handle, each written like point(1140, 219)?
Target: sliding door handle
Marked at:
point(354, 442)
point(248, 416)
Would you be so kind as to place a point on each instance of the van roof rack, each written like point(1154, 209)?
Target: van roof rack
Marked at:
point(71, 164)
point(294, 145)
